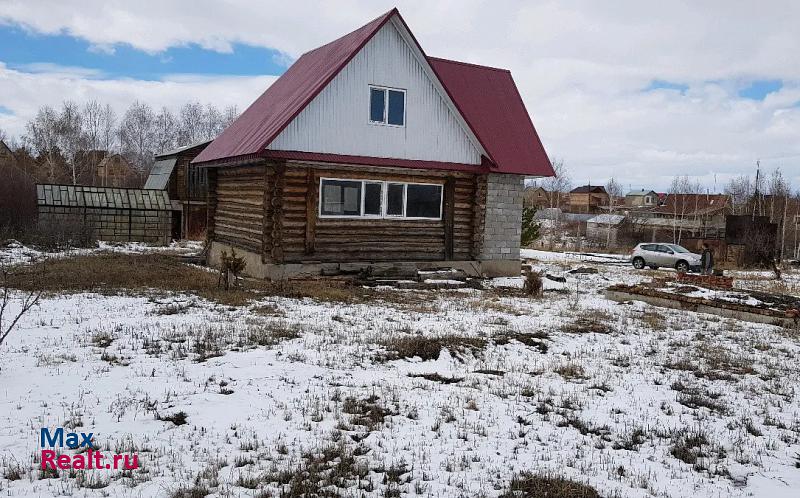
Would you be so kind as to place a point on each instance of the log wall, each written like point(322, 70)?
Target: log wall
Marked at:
point(238, 207)
point(308, 237)
point(272, 210)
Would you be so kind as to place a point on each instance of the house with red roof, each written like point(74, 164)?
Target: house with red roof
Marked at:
point(368, 153)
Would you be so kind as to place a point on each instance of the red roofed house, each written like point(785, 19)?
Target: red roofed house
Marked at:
point(367, 151)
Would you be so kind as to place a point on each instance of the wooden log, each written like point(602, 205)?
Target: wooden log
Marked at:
point(311, 211)
point(449, 207)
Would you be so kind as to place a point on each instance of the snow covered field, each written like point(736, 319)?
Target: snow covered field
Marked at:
point(402, 392)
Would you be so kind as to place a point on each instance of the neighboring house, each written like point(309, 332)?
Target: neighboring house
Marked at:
point(604, 228)
point(587, 199)
point(681, 216)
point(115, 171)
point(368, 154)
point(187, 187)
point(641, 198)
point(7, 157)
point(537, 197)
point(710, 207)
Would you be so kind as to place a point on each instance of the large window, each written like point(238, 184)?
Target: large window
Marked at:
point(387, 106)
point(368, 198)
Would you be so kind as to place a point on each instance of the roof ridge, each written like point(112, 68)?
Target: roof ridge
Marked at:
point(385, 14)
point(470, 64)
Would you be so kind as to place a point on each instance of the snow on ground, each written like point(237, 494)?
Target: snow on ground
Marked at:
point(15, 253)
point(631, 399)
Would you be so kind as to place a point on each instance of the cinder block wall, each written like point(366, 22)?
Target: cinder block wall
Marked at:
point(503, 218)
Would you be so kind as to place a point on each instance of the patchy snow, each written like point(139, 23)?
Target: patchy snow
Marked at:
point(16, 253)
point(614, 409)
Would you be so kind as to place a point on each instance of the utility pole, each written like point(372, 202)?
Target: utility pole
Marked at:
point(757, 198)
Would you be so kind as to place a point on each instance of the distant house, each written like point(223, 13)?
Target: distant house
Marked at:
point(537, 197)
point(7, 157)
point(367, 154)
point(115, 171)
point(641, 198)
point(686, 215)
point(187, 187)
point(587, 199)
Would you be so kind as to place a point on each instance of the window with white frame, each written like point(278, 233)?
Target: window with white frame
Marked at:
point(378, 199)
point(387, 106)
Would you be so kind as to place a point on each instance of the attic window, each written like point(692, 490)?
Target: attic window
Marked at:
point(387, 106)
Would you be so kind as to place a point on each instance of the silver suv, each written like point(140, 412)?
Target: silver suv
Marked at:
point(671, 255)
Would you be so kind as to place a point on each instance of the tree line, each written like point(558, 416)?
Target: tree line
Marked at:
point(66, 144)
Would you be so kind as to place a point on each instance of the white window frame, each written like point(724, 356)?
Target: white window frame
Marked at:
point(384, 200)
point(385, 121)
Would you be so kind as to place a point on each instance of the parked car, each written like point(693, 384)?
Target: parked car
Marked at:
point(671, 255)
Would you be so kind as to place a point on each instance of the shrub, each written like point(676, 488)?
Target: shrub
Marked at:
point(530, 229)
point(534, 286)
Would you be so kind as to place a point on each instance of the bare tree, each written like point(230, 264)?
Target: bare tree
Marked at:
point(71, 138)
point(41, 135)
point(214, 123)
point(229, 115)
point(779, 191)
point(136, 135)
point(108, 129)
point(680, 190)
point(93, 131)
point(614, 191)
point(558, 185)
point(27, 300)
point(166, 130)
point(192, 118)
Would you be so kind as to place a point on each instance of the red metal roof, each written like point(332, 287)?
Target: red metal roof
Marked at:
point(486, 97)
point(490, 102)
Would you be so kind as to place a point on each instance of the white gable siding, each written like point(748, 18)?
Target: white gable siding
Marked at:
point(337, 120)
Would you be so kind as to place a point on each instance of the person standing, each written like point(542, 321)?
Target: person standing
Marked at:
point(706, 260)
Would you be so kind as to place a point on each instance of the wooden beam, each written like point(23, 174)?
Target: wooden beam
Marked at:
point(211, 205)
point(311, 210)
point(266, 235)
point(449, 214)
point(277, 212)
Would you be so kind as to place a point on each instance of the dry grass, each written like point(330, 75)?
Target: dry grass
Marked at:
point(115, 273)
point(599, 323)
point(429, 348)
point(528, 485)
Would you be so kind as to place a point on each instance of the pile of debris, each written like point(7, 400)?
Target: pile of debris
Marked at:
point(747, 305)
point(709, 281)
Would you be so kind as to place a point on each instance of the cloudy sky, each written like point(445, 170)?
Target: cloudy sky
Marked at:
point(639, 90)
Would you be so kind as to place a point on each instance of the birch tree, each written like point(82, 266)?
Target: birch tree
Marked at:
point(614, 191)
point(136, 135)
point(166, 131)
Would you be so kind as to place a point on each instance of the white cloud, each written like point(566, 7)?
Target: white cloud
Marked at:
point(23, 93)
point(581, 67)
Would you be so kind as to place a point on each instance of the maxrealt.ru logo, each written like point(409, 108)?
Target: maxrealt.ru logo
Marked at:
point(89, 459)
